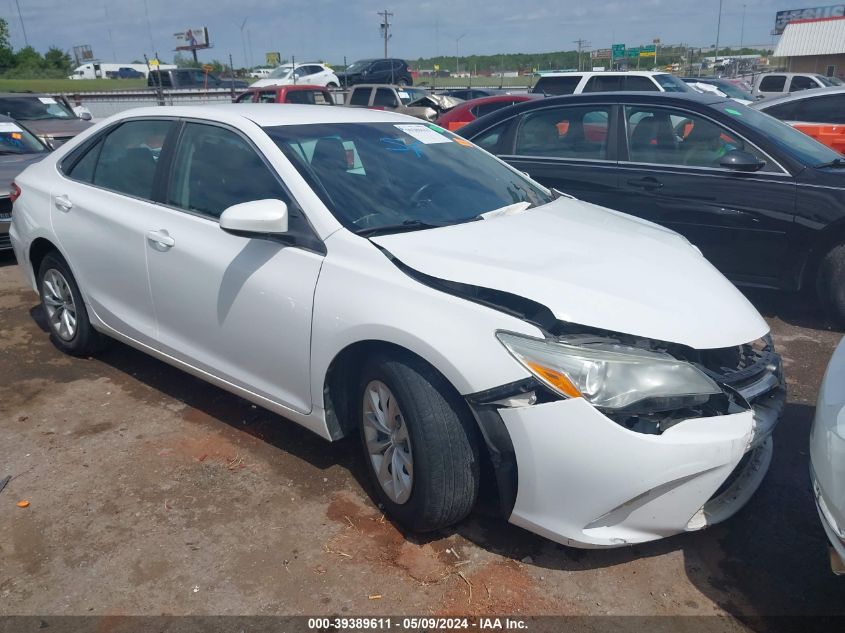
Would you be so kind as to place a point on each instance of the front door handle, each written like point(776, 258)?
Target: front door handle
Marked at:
point(161, 238)
point(63, 203)
point(646, 183)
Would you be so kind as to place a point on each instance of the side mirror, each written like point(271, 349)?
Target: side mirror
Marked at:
point(256, 218)
point(85, 116)
point(739, 160)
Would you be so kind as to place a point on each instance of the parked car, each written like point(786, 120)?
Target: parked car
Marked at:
point(827, 457)
point(192, 78)
point(260, 73)
point(468, 111)
point(777, 84)
point(124, 72)
point(49, 118)
point(361, 272)
point(414, 101)
point(577, 82)
point(299, 93)
point(377, 71)
point(19, 148)
point(819, 112)
point(308, 73)
point(725, 87)
point(763, 202)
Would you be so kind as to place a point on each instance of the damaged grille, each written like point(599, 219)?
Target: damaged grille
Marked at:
point(752, 370)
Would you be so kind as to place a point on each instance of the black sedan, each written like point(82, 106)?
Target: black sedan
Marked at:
point(764, 202)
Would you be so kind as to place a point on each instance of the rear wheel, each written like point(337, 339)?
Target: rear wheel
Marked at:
point(402, 82)
point(64, 308)
point(419, 444)
point(831, 284)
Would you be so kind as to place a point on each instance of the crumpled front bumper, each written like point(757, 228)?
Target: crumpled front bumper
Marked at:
point(586, 481)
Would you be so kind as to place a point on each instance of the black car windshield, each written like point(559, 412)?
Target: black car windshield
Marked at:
point(798, 145)
point(383, 175)
point(670, 83)
point(16, 140)
point(34, 108)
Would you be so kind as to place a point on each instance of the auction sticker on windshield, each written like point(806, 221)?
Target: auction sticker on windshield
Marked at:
point(6, 127)
point(423, 134)
point(46, 100)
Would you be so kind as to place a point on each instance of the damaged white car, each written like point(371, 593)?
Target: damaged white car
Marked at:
point(365, 273)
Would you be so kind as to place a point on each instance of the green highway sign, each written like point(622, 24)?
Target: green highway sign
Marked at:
point(618, 51)
point(632, 52)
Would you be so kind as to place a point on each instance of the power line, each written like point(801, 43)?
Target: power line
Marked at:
point(385, 27)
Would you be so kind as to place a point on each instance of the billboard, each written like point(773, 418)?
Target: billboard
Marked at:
point(272, 59)
point(82, 54)
point(782, 18)
point(192, 39)
point(648, 51)
point(601, 53)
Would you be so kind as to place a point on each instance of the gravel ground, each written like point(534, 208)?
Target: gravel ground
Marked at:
point(152, 493)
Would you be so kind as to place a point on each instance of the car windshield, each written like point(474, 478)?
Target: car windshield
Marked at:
point(356, 66)
point(34, 108)
point(835, 81)
point(670, 83)
point(825, 80)
point(15, 140)
point(280, 72)
point(409, 95)
point(395, 176)
point(796, 144)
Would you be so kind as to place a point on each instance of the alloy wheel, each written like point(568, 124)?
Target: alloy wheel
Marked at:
point(59, 304)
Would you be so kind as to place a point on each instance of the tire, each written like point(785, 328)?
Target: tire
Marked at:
point(60, 295)
point(441, 442)
point(402, 82)
point(831, 284)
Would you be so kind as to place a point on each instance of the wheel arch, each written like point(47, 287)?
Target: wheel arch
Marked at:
point(38, 249)
point(831, 236)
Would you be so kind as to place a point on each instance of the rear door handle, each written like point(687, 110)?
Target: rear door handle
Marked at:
point(646, 183)
point(63, 203)
point(161, 238)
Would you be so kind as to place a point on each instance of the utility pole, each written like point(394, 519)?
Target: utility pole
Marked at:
point(385, 27)
point(582, 43)
point(457, 45)
point(243, 42)
point(23, 28)
point(742, 30)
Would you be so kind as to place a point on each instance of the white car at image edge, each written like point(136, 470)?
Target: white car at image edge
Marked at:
point(364, 273)
point(827, 456)
point(312, 74)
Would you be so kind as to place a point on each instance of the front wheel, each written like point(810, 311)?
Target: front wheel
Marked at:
point(332, 85)
point(64, 308)
point(419, 443)
point(831, 284)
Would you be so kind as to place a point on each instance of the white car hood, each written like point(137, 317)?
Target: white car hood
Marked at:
point(593, 267)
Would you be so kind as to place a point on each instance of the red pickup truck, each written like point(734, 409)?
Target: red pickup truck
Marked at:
point(313, 95)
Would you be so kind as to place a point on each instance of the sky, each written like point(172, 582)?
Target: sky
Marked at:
point(329, 30)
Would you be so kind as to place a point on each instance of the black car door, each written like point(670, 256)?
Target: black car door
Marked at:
point(569, 148)
point(380, 72)
point(670, 173)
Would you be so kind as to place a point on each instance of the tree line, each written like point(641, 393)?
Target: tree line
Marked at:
point(29, 63)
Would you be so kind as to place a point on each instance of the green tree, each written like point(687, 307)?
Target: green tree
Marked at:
point(7, 57)
point(56, 58)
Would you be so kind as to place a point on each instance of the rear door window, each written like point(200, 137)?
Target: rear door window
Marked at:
point(601, 83)
point(128, 157)
point(385, 98)
point(827, 109)
point(784, 111)
point(773, 83)
point(267, 96)
point(557, 85)
point(640, 84)
point(568, 132)
point(360, 97)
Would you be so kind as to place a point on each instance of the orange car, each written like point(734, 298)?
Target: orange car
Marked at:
point(819, 113)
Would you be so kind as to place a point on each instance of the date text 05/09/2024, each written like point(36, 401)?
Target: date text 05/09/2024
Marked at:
point(415, 624)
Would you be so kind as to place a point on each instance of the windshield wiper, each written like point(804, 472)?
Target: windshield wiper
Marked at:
point(407, 225)
point(836, 162)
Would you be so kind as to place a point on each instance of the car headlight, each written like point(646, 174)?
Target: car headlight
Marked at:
point(610, 375)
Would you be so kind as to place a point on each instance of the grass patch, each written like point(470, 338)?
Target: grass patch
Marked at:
point(70, 85)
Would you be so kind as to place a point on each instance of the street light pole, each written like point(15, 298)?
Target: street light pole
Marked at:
point(457, 44)
point(742, 30)
point(243, 41)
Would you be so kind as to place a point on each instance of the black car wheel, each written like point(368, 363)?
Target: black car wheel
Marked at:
point(419, 443)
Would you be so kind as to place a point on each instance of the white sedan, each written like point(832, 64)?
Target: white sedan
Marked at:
point(312, 74)
point(827, 456)
point(362, 272)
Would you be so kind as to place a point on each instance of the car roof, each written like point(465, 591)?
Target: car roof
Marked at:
point(641, 73)
point(260, 114)
point(394, 86)
point(6, 95)
point(636, 96)
point(797, 96)
point(525, 96)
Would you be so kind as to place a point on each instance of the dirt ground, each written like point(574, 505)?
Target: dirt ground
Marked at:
point(152, 492)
